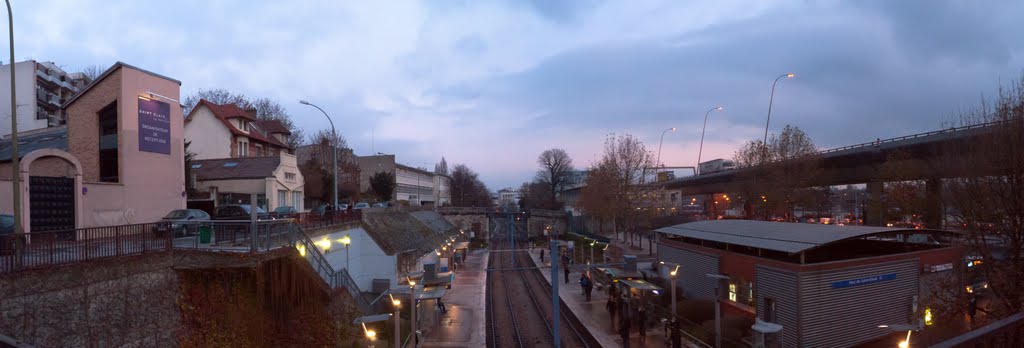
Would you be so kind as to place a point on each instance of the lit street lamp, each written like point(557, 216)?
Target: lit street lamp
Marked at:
point(658, 162)
point(770, 100)
point(334, 155)
point(702, 129)
point(398, 325)
point(672, 275)
point(19, 231)
point(346, 240)
point(412, 304)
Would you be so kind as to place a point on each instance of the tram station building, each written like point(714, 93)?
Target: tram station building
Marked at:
point(825, 285)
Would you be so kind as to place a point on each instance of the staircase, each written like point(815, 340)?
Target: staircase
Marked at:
point(334, 278)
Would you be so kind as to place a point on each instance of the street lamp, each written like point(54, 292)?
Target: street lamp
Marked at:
point(334, 155)
point(19, 231)
point(658, 162)
point(398, 325)
point(770, 100)
point(718, 307)
point(672, 275)
point(701, 149)
point(412, 302)
point(346, 240)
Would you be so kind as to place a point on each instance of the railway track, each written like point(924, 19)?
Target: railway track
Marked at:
point(519, 303)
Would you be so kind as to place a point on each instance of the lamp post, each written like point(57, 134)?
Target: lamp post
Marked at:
point(398, 324)
point(412, 303)
point(770, 100)
point(658, 162)
point(334, 156)
point(346, 240)
point(15, 172)
point(672, 276)
point(718, 307)
point(702, 129)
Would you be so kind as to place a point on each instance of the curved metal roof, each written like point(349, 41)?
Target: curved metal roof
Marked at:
point(780, 236)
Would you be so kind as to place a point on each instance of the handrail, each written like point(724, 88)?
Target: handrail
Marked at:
point(333, 277)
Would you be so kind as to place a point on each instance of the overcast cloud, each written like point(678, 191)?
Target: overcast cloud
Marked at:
point(493, 83)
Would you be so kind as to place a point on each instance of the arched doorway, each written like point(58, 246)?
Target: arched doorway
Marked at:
point(54, 179)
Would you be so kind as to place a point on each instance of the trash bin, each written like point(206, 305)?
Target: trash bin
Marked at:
point(205, 232)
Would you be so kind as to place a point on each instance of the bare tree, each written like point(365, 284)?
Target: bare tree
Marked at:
point(555, 165)
point(625, 160)
point(319, 151)
point(785, 171)
point(598, 197)
point(467, 189)
point(987, 200)
point(441, 167)
point(93, 71)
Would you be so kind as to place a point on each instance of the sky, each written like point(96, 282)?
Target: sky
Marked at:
point(492, 84)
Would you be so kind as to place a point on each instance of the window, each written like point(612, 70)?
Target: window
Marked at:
point(243, 148)
point(107, 124)
point(297, 200)
point(732, 292)
point(742, 292)
point(289, 176)
point(282, 197)
point(259, 150)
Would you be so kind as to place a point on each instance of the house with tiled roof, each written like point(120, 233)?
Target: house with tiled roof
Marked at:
point(237, 155)
point(228, 131)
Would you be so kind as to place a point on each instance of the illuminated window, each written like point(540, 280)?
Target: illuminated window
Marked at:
point(732, 292)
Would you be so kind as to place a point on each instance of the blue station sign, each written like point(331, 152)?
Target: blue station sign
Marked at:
point(863, 281)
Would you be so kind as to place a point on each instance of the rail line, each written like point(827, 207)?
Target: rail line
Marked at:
point(510, 323)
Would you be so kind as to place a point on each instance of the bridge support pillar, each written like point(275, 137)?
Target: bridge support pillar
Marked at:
point(874, 215)
point(933, 214)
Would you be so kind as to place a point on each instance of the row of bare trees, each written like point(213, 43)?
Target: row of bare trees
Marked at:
point(616, 193)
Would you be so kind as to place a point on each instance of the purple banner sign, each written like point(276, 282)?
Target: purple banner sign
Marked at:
point(154, 126)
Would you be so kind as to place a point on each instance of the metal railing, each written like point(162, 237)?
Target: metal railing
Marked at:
point(1008, 332)
point(334, 278)
point(314, 219)
point(911, 136)
point(46, 249)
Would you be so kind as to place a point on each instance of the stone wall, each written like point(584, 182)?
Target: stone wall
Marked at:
point(541, 219)
point(115, 302)
point(180, 298)
point(467, 222)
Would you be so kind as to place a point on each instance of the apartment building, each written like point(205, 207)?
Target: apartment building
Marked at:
point(42, 87)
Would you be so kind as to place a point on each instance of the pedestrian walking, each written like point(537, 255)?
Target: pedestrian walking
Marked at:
point(567, 274)
point(583, 283)
point(441, 306)
point(972, 309)
point(541, 255)
point(641, 320)
point(588, 288)
point(675, 337)
point(612, 307)
point(624, 330)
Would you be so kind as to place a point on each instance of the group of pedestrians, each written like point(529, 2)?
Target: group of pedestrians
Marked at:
point(630, 310)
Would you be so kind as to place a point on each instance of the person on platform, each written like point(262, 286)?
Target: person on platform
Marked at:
point(542, 255)
point(566, 273)
point(588, 287)
point(612, 306)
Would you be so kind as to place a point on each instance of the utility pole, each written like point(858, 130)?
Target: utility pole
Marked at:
point(19, 230)
point(554, 295)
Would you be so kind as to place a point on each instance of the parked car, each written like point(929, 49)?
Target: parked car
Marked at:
point(240, 212)
point(6, 224)
point(284, 212)
point(342, 206)
point(181, 222)
point(361, 205)
point(380, 205)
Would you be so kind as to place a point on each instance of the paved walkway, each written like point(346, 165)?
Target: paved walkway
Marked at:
point(593, 313)
point(463, 325)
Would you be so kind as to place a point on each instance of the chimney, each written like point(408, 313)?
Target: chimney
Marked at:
point(630, 263)
point(429, 271)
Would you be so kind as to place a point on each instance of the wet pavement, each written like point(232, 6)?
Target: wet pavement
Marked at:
point(463, 324)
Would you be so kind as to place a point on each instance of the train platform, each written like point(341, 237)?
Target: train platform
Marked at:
point(594, 315)
point(463, 324)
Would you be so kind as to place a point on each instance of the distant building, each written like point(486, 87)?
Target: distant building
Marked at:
point(508, 198)
point(414, 185)
point(42, 88)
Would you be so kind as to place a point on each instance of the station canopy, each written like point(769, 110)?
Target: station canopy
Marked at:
point(785, 237)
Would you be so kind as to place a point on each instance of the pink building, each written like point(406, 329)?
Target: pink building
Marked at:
point(119, 159)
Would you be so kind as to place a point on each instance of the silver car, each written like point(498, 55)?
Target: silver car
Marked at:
point(181, 222)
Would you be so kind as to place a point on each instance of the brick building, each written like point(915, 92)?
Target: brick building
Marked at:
point(119, 159)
